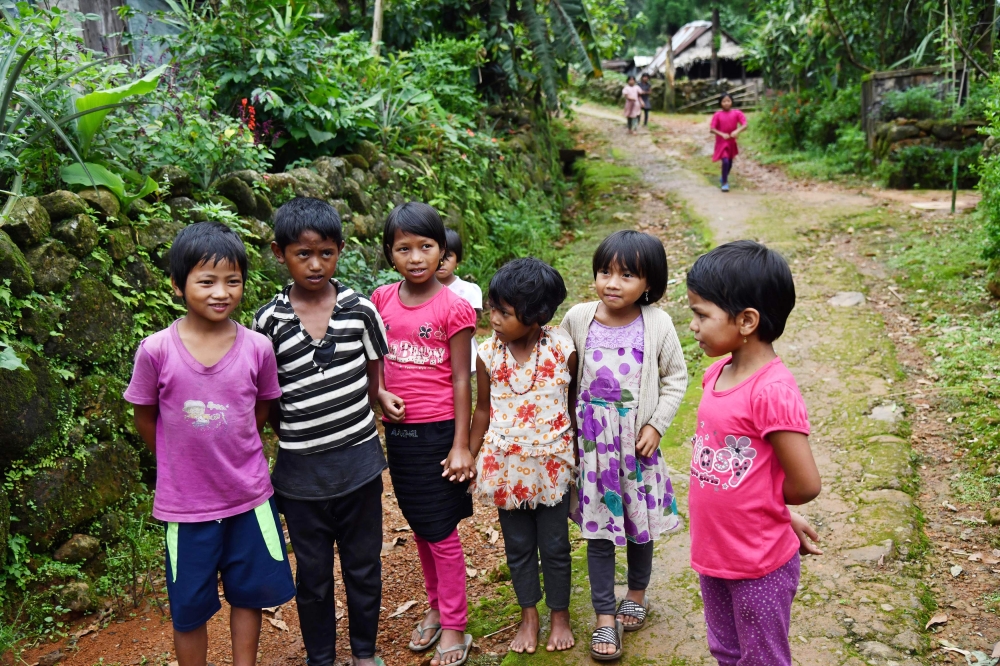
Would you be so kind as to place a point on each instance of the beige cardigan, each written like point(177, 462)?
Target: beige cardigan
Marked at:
point(669, 372)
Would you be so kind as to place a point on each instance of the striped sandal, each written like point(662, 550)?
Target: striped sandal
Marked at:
point(629, 608)
point(611, 636)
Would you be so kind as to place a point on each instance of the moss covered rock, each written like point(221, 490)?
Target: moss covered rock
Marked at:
point(237, 191)
point(260, 234)
point(42, 319)
point(366, 227)
point(119, 243)
point(310, 184)
point(157, 236)
point(51, 266)
point(30, 402)
point(28, 222)
point(104, 203)
point(73, 491)
point(140, 274)
point(95, 324)
point(78, 233)
point(248, 176)
point(225, 202)
point(331, 169)
point(99, 401)
point(367, 150)
point(173, 180)
point(263, 210)
point(183, 210)
point(14, 267)
point(357, 198)
point(4, 524)
point(357, 161)
point(382, 173)
point(62, 204)
point(362, 178)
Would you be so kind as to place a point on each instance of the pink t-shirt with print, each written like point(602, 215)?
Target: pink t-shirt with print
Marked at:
point(210, 462)
point(418, 365)
point(740, 526)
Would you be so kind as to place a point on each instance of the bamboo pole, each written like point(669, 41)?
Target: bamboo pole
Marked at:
point(716, 36)
point(377, 27)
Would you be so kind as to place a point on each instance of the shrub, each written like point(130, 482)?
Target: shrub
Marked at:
point(929, 167)
point(919, 102)
point(830, 116)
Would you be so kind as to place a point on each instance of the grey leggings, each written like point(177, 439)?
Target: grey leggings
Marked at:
point(601, 567)
point(528, 533)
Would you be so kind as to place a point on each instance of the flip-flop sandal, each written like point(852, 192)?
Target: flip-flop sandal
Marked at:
point(629, 608)
point(610, 635)
point(417, 647)
point(464, 647)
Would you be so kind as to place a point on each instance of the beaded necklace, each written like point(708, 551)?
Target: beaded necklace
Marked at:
point(505, 371)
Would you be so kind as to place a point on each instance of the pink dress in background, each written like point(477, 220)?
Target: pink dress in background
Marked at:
point(633, 107)
point(727, 122)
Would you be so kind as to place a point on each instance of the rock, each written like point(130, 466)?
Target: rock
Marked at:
point(226, 203)
point(367, 150)
point(260, 234)
point(62, 204)
point(98, 400)
point(51, 266)
point(30, 403)
point(95, 325)
point(237, 191)
point(42, 319)
point(78, 233)
point(886, 463)
point(362, 178)
point(109, 527)
point(73, 491)
point(140, 207)
point(887, 413)
point(282, 187)
point(76, 596)
point(248, 176)
point(182, 209)
point(28, 222)
point(383, 174)
point(346, 215)
point(993, 515)
point(901, 132)
point(14, 267)
point(331, 170)
point(79, 548)
point(883, 552)
point(156, 236)
point(175, 181)
point(120, 243)
point(357, 161)
point(51, 658)
point(876, 649)
point(310, 184)
point(397, 199)
point(262, 207)
point(268, 266)
point(366, 227)
point(139, 274)
point(103, 201)
point(4, 524)
point(944, 130)
point(908, 640)
point(357, 198)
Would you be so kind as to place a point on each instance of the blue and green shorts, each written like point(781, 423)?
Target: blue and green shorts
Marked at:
point(248, 550)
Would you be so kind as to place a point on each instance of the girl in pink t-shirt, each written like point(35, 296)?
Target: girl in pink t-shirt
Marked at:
point(751, 456)
point(632, 94)
point(726, 125)
point(426, 400)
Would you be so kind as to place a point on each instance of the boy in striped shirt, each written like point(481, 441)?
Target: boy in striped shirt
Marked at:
point(328, 477)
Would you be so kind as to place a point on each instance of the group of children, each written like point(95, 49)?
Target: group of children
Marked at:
point(567, 424)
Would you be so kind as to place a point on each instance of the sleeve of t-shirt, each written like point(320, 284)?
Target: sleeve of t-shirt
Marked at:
point(461, 317)
point(740, 117)
point(268, 387)
point(777, 407)
point(715, 121)
point(260, 320)
point(475, 296)
point(143, 389)
point(373, 337)
point(376, 297)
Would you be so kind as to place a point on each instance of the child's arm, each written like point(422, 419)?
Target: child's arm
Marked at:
point(392, 405)
point(802, 482)
point(481, 417)
point(263, 412)
point(373, 382)
point(802, 528)
point(571, 361)
point(460, 466)
point(673, 384)
point(145, 423)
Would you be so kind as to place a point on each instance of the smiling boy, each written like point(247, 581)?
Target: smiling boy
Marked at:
point(328, 477)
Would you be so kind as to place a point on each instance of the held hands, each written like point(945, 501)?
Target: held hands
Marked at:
point(459, 466)
point(802, 530)
point(392, 406)
point(647, 441)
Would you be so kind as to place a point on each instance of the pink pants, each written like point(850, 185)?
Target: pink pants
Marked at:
point(444, 577)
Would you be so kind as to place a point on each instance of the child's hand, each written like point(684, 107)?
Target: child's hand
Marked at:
point(802, 530)
point(392, 406)
point(647, 441)
point(459, 466)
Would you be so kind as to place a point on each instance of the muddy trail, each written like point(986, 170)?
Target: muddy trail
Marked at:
point(890, 528)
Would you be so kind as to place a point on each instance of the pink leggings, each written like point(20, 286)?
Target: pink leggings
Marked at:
point(444, 577)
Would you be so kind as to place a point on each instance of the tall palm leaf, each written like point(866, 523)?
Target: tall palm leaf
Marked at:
point(573, 34)
point(538, 33)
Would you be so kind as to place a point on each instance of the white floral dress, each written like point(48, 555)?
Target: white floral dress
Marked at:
point(527, 454)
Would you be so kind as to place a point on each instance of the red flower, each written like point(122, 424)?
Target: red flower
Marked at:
point(559, 422)
point(500, 496)
point(521, 492)
point(490, 466)
point(547, 369)
point(516, 449)
point(553, 466)
point(501, 374)
point(527, 413)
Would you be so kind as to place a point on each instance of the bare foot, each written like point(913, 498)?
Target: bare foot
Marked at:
point(450, 638)
point(425, 631)
point(605, 648)
point(638, 596)
point(526, 638)
point(370, 661)
point(561, 635)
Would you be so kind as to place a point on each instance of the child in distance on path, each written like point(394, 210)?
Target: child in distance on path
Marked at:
point(751, 456)
point(328, 477)
point(632, 378)
point(633, 104)
point(202, 390)
point(644, 97)
point(523, 434)
point(425, 396)
point(726, 125)
point(470, 291)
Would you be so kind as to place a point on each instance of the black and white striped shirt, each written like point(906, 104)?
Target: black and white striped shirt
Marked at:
point(324, 405)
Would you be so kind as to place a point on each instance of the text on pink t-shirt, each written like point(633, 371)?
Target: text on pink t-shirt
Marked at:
point(210, 462)
point(418, 365)
point(740, 526)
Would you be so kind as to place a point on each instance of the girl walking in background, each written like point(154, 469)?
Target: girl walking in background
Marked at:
point(644, 97)
point(523, 434)
point(632, 379)
point(633, 104)
point(425, 395)
point(727, 124)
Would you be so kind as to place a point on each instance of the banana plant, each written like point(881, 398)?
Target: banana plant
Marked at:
point(88, 173)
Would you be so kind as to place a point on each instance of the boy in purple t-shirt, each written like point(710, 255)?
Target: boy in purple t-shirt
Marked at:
point(202, 390)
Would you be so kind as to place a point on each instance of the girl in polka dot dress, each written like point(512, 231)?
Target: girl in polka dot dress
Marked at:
point(751, 456)
point(523, 438)
point(632, 380)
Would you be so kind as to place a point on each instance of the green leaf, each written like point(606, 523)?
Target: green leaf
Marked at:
point(88, 125)
point(318, 136)
point(91, 174)
point(10, 361)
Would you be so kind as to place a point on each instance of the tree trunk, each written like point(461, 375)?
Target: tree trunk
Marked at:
point(377, 26)
point(669, 101)
point(344, 20)
point(104, 34)
point(716, 37)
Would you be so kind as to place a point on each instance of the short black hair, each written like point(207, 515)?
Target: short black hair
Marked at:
point(454, 242)
point(303, 214)
point(637, 253)
point(416, 218)
point(531, 287)
point(744, 274)
point(205, 242)
point(630, 78)
point(724, 96)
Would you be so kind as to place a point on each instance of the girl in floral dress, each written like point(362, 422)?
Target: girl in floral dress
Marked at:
point(632, 379)
point(523, 438)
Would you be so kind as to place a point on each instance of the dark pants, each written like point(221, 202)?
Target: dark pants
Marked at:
point(354, 523)
point(528, 533)
point(601, 568)
point(645, 117)
point(727, 165)
point(633, 123)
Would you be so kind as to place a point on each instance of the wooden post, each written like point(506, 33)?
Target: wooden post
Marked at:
point(377, 27)
point(669, 102)
point(716, 36)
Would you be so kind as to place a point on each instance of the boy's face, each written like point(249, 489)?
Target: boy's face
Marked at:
point(448, 267)
point(504, 322)
point(311, 260)
point(212, 291)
